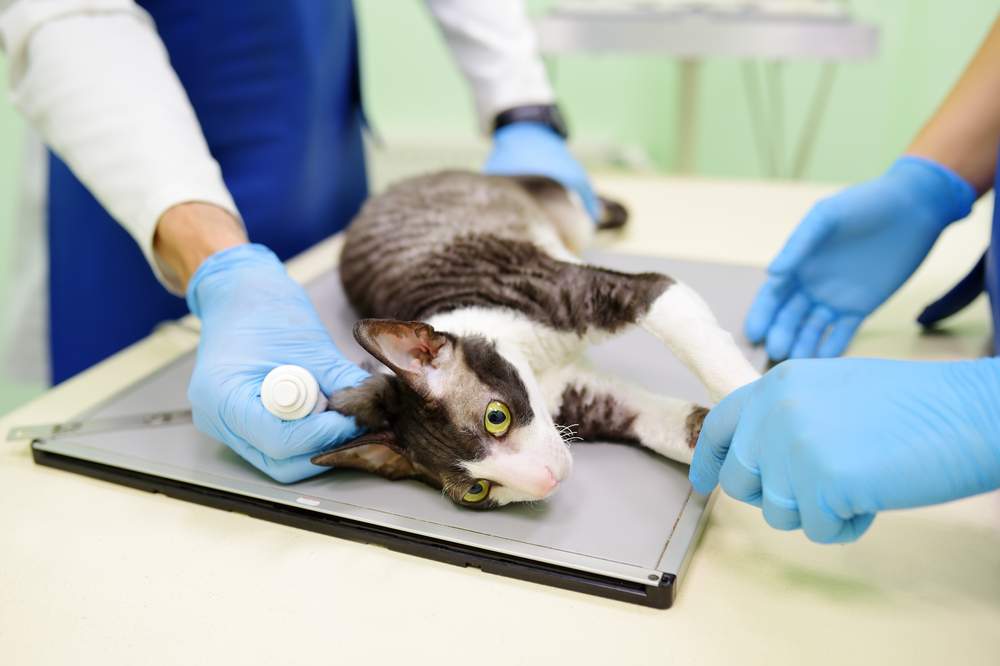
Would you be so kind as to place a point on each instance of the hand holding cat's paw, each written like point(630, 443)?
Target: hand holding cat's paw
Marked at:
point(254, 317)
point(823, 445)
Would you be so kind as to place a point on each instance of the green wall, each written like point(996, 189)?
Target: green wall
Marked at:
point(412, 88)
point(414, 93)
point(11, 129)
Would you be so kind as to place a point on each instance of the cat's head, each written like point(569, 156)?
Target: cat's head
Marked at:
point(457, 414)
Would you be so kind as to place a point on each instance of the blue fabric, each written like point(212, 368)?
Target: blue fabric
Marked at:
point(276, 89)
point(957, 298)
point(992, 278)
point(984, 275)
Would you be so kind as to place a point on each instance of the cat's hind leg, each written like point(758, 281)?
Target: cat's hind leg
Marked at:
point(593, 406)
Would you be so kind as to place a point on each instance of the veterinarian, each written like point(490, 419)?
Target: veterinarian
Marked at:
point(196, 125)
point(825, 444)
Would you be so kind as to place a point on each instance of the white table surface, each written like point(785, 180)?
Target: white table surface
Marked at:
point(92, 572)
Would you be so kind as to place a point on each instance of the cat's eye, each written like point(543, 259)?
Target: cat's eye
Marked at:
point(497, 418)
point(477, 492)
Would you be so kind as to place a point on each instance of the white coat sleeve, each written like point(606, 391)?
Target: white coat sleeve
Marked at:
point(94, 79)
point(496, 48)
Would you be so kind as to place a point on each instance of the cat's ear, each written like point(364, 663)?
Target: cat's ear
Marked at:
point(375, 452)
point(411, 349)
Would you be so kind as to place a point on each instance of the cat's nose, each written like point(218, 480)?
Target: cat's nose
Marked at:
point(549, 483)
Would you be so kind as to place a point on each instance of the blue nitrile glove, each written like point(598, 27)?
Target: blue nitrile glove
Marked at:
point(825, 444)
point(534, 148)
point(254, 318)
point(850, 253)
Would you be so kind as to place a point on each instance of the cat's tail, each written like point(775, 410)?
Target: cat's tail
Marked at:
point(614, 215)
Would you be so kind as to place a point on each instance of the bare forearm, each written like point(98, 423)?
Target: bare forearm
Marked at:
point(189, 233)
point(964, 133)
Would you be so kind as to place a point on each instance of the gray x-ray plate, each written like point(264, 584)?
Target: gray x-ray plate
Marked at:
point(625, 514)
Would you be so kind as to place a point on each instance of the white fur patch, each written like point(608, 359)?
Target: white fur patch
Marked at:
point(533, 459)
point(685, 323)
point(546, 237)
point(529, 457)
point(541, 346)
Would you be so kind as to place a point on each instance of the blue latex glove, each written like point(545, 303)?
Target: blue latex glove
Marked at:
point(533, 148)
point(850, 253)
point(825, 444)
point(254, 318)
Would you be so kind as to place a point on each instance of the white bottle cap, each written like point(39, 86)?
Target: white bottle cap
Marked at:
point(290, 392)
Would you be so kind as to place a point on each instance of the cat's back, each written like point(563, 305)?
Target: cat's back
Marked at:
point(430, 230)
point(440, 205)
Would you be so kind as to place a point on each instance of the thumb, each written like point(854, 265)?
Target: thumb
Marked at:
point(813, 230)
point(316, 432)
point(337, 374)
point(716, 435)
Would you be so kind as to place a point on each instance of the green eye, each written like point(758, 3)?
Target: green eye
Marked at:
point(497, 418)
point(477, 492)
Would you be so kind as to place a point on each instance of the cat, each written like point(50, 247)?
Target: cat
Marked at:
point(484, 310)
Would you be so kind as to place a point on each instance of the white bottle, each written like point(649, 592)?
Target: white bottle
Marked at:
point(290, 392)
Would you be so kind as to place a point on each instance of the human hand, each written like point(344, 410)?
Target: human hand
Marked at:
point(254, 318)
point(849, 254)
point(525, 148)
point(825, 444)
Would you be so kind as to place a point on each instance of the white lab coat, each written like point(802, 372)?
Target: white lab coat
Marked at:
point(94, 81)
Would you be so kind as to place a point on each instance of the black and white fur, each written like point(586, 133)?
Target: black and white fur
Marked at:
point(480, 295)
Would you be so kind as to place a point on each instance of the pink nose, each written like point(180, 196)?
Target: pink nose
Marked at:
point(548, 483)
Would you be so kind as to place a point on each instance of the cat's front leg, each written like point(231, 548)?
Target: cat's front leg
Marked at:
point(680, 318)
point(595, 406)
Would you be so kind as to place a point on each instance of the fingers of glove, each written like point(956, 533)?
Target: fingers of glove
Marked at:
point(812, 231)
point(766, 305)
point(281, 440)
point(780, 511)
point(781, 335)
point(337, 374)
point(740, 480)
point(778, 503)
point(839, 337)
point(714, 441)
point(807, 342)
point(822, 525)
point(288, 470)
point(740, 476)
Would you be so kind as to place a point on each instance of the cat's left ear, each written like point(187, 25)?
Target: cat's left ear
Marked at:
point(411, 349)
point(376, 452)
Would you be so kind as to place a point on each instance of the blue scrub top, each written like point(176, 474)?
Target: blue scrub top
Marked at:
point(276, 88)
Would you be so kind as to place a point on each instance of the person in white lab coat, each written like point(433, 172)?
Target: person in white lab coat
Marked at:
point(181, 130)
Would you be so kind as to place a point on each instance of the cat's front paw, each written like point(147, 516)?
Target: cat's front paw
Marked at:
point(693, 423)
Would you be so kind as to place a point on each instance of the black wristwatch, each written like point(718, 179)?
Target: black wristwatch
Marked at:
point(546, 114)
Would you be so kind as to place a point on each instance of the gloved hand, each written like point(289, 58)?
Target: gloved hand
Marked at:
point(824, 444)
point(534, 148)
point(254, 318)
point(850, 253)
